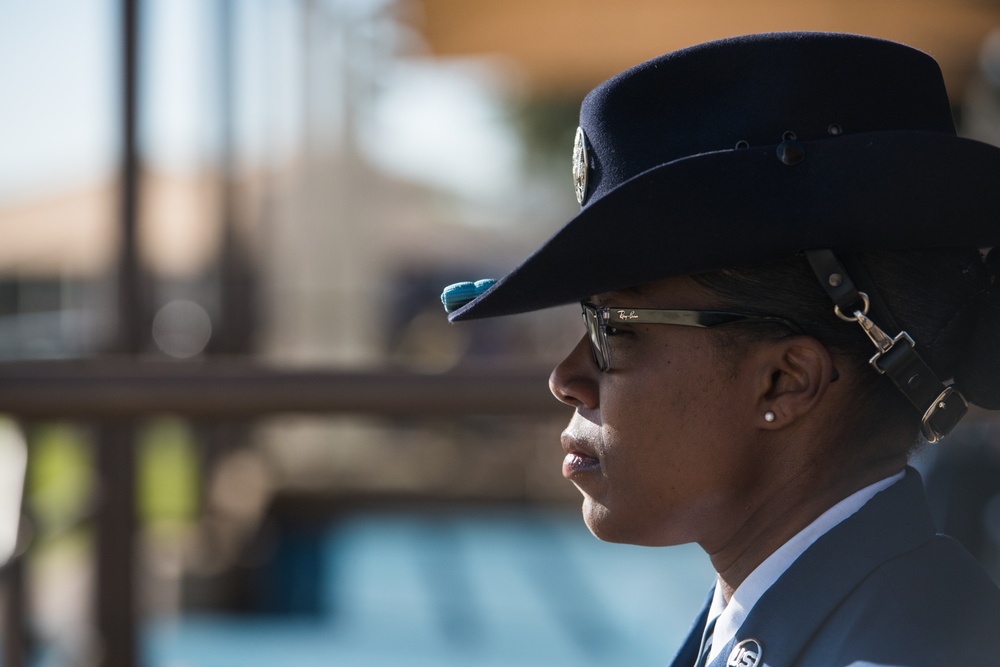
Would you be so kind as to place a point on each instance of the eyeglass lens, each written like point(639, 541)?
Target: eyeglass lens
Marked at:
point(597, 346)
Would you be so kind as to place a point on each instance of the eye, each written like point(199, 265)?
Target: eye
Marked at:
point(614, 331)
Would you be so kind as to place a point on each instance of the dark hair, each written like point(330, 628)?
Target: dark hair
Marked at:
point(942, 298)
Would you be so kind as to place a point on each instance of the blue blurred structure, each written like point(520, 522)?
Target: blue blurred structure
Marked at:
point(505, 587)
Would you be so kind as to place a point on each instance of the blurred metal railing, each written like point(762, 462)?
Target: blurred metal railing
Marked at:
point(112, 389)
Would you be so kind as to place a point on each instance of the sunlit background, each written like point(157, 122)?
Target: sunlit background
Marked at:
point(302, 178)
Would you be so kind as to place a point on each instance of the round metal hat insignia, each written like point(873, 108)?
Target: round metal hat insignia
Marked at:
point(748, 653)
point(580, 165)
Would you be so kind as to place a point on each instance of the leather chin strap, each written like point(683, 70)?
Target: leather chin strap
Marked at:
point(942, 406)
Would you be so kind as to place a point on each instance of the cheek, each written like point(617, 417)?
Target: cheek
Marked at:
point(682, 410)
point(651, 431)
point(677, 392)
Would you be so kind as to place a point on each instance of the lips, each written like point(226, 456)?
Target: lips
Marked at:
point(579, 460)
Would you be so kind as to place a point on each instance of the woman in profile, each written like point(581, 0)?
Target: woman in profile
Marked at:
point(781, 263)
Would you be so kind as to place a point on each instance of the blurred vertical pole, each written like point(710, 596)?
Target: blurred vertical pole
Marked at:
point(225, 332)
point(233, 333)
point(116, 505)
point(15, 622)
point(16, 631)
point(116, 567)
point(234, 325)
point(130, 334)
point(16, 637)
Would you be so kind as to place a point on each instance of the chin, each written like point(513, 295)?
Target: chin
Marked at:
point(607, 527)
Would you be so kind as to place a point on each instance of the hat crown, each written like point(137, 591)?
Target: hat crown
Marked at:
point(749, 92)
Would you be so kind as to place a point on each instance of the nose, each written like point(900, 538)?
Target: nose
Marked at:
point(574, 380)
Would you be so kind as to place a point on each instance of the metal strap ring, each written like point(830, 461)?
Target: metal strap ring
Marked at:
point(853, 318)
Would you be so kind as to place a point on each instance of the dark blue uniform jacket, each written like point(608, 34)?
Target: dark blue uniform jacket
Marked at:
point(881, 588)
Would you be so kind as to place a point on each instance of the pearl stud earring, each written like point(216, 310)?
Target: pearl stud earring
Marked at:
point(769, 416)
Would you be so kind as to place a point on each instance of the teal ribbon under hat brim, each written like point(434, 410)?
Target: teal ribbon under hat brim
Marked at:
point(455, 296)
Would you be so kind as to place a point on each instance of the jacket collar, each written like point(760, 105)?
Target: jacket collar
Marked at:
point(895, 521)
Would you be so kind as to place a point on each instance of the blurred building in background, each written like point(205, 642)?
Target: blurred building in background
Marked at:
point(307, 175)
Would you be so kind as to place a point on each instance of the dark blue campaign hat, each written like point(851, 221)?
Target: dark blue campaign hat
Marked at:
point(749, 150)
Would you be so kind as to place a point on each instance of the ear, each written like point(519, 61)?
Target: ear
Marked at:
point(794, 375)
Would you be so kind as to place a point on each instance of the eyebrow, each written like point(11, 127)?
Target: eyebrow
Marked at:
point(626, 292)
point(634, 290)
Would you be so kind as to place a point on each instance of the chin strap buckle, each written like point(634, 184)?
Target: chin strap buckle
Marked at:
point(879, 338)
point(941, 407)
point(943, 414)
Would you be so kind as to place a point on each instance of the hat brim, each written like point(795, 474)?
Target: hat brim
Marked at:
point(855, 193)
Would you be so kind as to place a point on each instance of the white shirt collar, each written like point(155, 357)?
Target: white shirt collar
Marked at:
point(731, 616)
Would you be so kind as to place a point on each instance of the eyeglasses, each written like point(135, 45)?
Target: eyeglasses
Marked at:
point(599, 320)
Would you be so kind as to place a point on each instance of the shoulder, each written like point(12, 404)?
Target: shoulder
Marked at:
point(933, 605)
point(944, 594)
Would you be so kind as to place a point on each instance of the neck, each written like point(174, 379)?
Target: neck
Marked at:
point(778, 516)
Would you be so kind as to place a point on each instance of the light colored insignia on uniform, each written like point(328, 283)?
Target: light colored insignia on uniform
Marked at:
point(748, 653)
point(580, 165)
